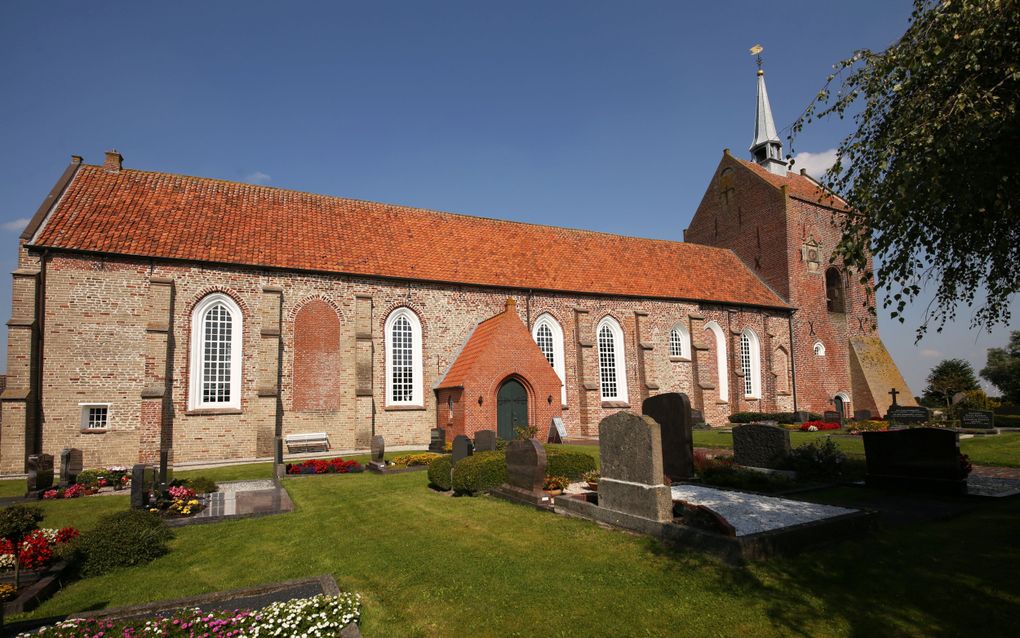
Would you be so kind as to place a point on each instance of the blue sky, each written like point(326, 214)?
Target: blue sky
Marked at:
point(602, 115)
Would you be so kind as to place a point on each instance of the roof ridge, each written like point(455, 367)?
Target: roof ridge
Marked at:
point(412, 208)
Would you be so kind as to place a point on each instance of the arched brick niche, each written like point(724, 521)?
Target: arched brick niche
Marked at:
point(316, 358)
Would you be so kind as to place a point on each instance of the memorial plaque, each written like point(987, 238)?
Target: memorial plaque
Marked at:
point(485, 440)
point(862, 415)
point(697, 416)
point(378, 449)
point(978, 419)
point(525, 465)
point(71, 465)
point(462, 448)
point(757, 445)
point(557, 431)
point(143, 478)
point(438, 442)
point(908, 414)
point(831, 416)
point(672, 411)
point(40, 472)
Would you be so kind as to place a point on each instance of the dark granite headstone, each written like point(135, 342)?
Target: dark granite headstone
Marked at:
point(672, 411)
point(525, 465)
point(831, 416)
point(71, 465)
point(978, 419)
point(485, 440)
point(279, 469)
point(862, 415)
point(166, 466)
point(697, 416)
point(907, 415)
point(917, 458)
point(143, 478)
point(557, 431)
point(757, 445)
point(40, 472)
point(378, 448)
point(462, 448)
point(631, 477)
point(438, 443)
point(802, 416)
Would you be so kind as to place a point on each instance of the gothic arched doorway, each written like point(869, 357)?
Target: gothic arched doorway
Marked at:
point(511, 408)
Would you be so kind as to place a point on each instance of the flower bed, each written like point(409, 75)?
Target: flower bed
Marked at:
point(320, 466)
point(816, 426)
point(867, 426)
point(37, 550)
point(316, 616)
point(116, 476)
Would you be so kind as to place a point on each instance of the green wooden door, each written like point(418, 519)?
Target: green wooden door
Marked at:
point(511, 408)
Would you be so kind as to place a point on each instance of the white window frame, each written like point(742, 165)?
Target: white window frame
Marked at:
point(195, 401)
point(416, 358)
point(85, 408)
point(819, 349)
point(685, 341)
point(720, 360)
point(559, 365)
point(750, 364)
point(619, 359)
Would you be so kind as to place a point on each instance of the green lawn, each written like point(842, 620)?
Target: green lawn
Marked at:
point(428, 564)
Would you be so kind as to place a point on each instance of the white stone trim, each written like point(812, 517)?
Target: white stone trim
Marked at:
point(417, 377)
point(819, 349)
point(195, 377)
point(720, 360)
point(684, 341)
point(619, 359)
point(752, 367)
point(559, 364)
point(85, 411)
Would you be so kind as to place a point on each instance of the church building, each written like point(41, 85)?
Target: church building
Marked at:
point(155, 311)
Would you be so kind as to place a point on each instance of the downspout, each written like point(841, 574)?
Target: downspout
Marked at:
point(793, 361)
point(40, 323)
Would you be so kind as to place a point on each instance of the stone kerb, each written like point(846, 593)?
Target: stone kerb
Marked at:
point(758, 445)
point(631, 480)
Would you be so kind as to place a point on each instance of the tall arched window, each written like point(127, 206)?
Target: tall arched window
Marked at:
point(403, 358)
point(548, 334)
point(679, 342)
point(750, 363)
point(612, 366)
point(720, 360)
point(216, 335)
point(834, 298)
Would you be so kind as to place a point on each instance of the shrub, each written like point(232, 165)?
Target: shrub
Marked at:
point(121, 539)
point(556, 483)
point(1007, 420)
point(439, 472)
point(857, 427)
point(7, 592)
point(781, 417)
point(822, 460)
point(591, 476)
point(410, 460)
point(479, 472)
point(90, 478)
point(721, 472)
point(202, 485)
point(570, 463)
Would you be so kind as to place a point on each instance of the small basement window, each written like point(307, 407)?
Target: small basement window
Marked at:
point(95, 416)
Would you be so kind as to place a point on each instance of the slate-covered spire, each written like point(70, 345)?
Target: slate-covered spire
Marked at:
point(766, 149)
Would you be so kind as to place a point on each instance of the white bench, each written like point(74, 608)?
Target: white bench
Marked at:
point(307, 440)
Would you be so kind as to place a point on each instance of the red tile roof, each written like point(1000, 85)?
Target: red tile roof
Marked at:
point(798, 186)
point(477, 344)
point(148, 214)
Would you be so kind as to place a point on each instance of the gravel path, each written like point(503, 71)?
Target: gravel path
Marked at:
point(751, 513)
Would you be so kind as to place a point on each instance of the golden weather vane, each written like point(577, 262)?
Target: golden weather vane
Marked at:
point(756, 51)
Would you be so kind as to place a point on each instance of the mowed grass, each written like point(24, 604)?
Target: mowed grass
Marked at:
point(428, 564)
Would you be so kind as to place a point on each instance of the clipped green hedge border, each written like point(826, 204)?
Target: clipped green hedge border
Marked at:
point(439, 472)
point(484, 471)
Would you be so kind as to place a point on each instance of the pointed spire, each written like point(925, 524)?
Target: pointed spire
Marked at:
point(766, 149)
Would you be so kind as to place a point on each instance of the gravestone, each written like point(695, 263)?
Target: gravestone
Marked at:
point(166, 466)
point(279, 469)
point(143, 479)
point(760, 445)
point(557, 431)
point(697, 416)
point(672, 411)
point(462, 448)
point(916, 458)
point(485, 440)
point(438, 442)
point(378, 449)
point(525, 471)
point(862, 415)
point(631, 476)
point(71, 465)
point(801, 416)
point(832, 416)
point(40, 472)
point(907, 415)
point(978, 419)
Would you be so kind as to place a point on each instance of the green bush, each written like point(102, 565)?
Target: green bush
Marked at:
point(781, 417)
point(570, 463)
point(1007, 420)
point(480, 472)
point(818, 460)
point(90, 478)
point(439, 472)
point(121, 539)
point(202, 485)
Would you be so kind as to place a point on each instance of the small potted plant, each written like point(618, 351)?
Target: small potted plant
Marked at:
point(591, 477)
point(554, 485)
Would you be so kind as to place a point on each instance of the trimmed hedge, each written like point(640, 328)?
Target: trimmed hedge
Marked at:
point(439, 472)
point(569, 463)
point(781, 417)
point(1007, 421)
point(121, 539)
point(480, 472)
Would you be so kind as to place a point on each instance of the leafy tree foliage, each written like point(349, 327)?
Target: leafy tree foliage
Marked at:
point(1002, 368)
point(931, 166)
point(948, 378)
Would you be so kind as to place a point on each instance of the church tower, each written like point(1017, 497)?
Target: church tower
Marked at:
point(782, 224)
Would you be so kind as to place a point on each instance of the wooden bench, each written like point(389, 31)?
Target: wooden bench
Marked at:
point(307, 440)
